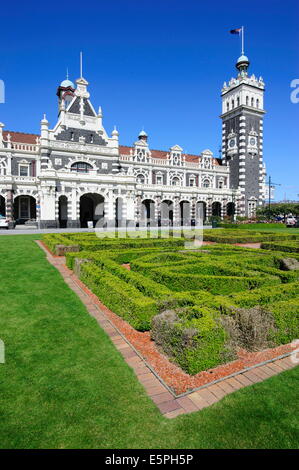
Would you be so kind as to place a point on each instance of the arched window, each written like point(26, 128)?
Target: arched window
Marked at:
point(238, 101)
point(252, 101)
point(220, 184)
point(140, 178)
point(257, 103)
point(81, 167)
point(227, 106)
point(233, 104)
point(175, 181)
point(206, 183)
point(247, 100)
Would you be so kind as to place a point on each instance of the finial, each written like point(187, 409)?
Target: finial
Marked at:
point(67, 73)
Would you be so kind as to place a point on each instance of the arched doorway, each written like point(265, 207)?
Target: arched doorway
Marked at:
point(62, 211)
point(230, 209)
point(166, 212)
point(91, 209)
point(24, 209)
point(201, 211)
point(147, 212)
point(119, 212)
point(2, 206)
point(185, 213)
point(216, 209)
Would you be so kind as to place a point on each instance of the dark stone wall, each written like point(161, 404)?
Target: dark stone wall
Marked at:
point(72, 134)
point(65, 161)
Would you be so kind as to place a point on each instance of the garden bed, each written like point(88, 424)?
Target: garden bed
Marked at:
point(216, 308)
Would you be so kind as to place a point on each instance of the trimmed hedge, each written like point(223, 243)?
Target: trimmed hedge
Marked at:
point(286, 317)
point(203, 287)
point(245, 236)
point(121, 297)
point(291, 247)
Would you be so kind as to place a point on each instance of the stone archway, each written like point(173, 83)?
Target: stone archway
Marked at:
point(201, 211)
point(62, 211)
point(119, 220)
point(24, 208)
point(185, 213)
point(2, 206)
point(91, 209)
point(147, 212)
point(166, 212)
point(216, 209)
point(230, 209)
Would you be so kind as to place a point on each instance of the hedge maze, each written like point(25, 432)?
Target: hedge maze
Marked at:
point(200, 305)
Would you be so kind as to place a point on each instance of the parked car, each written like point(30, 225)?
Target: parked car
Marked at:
point(291, 221)
point(3, 222)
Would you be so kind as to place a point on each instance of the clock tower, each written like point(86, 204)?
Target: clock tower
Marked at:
point(242, 136)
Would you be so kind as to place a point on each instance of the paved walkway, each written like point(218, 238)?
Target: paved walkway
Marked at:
point(169, 404)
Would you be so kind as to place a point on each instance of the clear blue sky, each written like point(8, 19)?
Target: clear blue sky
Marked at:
point(158, 64)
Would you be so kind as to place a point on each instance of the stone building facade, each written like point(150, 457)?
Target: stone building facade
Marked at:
point(76, 173)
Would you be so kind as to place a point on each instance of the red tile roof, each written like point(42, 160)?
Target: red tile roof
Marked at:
point(24, 138)
point(21, 137)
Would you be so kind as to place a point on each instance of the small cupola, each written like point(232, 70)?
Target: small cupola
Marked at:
point(143, 136)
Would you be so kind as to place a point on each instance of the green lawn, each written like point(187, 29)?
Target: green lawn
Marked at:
point(64, 385)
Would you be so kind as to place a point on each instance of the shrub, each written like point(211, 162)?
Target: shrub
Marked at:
point(196, 344)
point(290, 246)
point(119, 296)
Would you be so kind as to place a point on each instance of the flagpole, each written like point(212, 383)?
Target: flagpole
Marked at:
point(81, 67)
point(242, 53)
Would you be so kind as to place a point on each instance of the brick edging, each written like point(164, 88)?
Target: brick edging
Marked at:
point(169, 404)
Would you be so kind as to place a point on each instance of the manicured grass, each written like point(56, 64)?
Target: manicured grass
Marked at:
point(64, 385)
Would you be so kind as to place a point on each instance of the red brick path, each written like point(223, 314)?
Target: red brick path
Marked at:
point(169, 404)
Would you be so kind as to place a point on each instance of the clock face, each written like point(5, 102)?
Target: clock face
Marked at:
point(252, 141)
point(232, 143)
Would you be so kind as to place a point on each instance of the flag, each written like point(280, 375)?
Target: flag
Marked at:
point(235, 31)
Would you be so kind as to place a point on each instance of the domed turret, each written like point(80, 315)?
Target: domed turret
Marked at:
point(143, 135)
point(67, 83)
point(242, 63)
